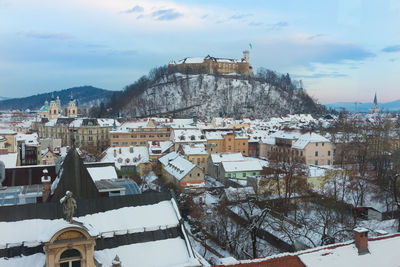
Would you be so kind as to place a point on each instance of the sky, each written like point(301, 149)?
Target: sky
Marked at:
point(342, 50)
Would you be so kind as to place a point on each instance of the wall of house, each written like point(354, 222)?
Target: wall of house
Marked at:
point(319, 153)
point(199, 160)
point(195, 176)
point(139, 136)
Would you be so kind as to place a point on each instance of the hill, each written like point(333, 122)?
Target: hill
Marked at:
point(162, 93)
point(85, 96)
point(393, 106)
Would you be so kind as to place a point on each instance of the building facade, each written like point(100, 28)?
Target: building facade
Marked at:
point(212, 65)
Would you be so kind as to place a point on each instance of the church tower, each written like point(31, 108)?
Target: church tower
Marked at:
point(53, 108)
point(72, 110)
point(375, 108)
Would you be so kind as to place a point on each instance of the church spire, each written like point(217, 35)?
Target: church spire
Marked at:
point(375, 100)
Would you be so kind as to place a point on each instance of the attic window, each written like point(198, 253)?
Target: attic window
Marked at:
point(119, 160)
point(202, 137)
point(127, 160)
point(182, 137)
point(193, 137)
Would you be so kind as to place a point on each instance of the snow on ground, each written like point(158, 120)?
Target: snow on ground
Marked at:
point(389, 226)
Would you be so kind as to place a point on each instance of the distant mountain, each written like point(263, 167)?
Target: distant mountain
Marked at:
point(84, 95)
point(3, 98)
point(365, 107)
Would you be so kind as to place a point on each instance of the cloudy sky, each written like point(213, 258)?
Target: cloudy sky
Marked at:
point(342, 50)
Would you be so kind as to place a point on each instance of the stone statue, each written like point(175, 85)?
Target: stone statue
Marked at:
point(69, 206)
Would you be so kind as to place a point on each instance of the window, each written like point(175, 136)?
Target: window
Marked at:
point(90, 138)
point(329, 162)
point(142, 143)
point(323, 144)
point(115, 143)
point(316, 144)
point(142, 136)
point(316, 153)
point(329, 153)
point(124, 143)
point(90, 131)
point(115, 136)
point(229, 175)
point(244, 174)
point(244, 143)
point(133, 143)
point(198, 174)
point(70, 258)
point(316, 162)
point(244, 151)
point(229, 148)
point(229, 139)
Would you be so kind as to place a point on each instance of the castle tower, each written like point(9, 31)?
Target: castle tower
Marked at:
point(246, 56)
point(72, 110)
point(53, 108)
point(375, 108)
point(58, 102)
point(44, 110)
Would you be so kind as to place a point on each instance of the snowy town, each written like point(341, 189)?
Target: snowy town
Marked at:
point(224, 192)
point(199, 133)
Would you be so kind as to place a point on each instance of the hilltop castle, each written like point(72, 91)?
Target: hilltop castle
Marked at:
point(212, 65)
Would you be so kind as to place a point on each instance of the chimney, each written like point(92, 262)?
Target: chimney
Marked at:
point(46, 185)
point(116, 262)
point(361, 240)
point(171, 119)
point(120, 151)
point(131, 149)
point(115, 153)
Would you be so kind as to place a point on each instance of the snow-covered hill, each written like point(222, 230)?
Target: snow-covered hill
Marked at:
point(210, 96)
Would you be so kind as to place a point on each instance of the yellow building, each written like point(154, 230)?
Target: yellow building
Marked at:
point(72, 110)
point(8, 140)
point(138, 133)
point(196, 154)
point(227, 142)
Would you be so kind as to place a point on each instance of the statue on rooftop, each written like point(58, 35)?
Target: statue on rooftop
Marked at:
point(69, 206)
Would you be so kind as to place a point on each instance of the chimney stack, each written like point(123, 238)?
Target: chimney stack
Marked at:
point(116, 262)
point(120, 151)
point(115, 153)
point(131, 149)
point(361, 240)
point(46, 185)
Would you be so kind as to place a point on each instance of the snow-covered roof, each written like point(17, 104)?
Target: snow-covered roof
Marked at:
point(102, 173)
point(217, 158)
point(307, 138)
point(268, 140)
point(107, 122)
point(51, 122)
point(159, 147)
point(214, 135)
point(170, 156)
point(29, 139)
point(179, 167)
point(168, 252)
point(195, 149)
point(381, 252)
point(154, 216)
point(76, 123)
point(10, 159)
point(239, 166)
point(290, 135)
point(184, 136)
point(126, 156)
